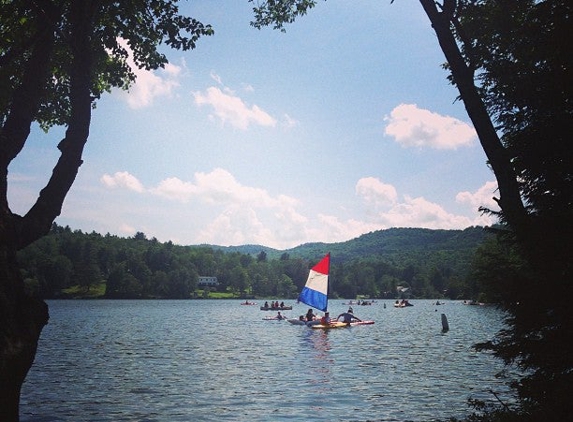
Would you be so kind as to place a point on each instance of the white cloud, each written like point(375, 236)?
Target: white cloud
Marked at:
point(248, 87)
point(127, 230)
point(483, 197)
point(223, 211)
point(386, 209)
point(332, 229)
point(374, 191)
point(216, 78)
point(231, 213)
point(231, 109)
point(411, 126)
point(288, 122)
point(122, 179)
point(149, 84)
point(419, 212)
point(236, 226)
point(175, 189)
point(218, 187)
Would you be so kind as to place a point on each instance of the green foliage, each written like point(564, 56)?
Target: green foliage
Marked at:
point(142, 26)
point(525, 69)
point(428, 263)
point(95, 291)
point(498, 268)
point(279, 12)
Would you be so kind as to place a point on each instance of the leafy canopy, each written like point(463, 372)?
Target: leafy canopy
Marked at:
point(141, 26)
point(279, 12)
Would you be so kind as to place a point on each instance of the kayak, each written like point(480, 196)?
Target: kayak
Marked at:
point(333, 324)
point(273, 318)
point(366, 322)
point(339, 324)
point(296, 321)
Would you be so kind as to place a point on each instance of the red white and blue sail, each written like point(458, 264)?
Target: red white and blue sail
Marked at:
point(315, 291)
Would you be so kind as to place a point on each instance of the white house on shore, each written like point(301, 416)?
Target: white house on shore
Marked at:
point(207, 281)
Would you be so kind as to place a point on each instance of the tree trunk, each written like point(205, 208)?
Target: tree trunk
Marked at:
point(510, 200)
point(22, 317)
point(21, 321)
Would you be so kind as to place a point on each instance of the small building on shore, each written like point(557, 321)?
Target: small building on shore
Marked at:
point(207, 281)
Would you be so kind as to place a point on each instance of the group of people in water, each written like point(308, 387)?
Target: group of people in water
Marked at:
point(402, 303)
point(347, 317)
point(274, 305)
point(361, 302)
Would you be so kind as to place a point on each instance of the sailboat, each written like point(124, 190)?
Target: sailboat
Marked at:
point(315, 291)
point(315, 294)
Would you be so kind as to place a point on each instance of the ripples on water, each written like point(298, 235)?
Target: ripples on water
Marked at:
point(169, 361)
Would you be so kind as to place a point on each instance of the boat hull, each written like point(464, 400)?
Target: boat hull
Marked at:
point(330, 326)
point(367, 322)
point(280, 308)
point(339, 324)
point(297, 321)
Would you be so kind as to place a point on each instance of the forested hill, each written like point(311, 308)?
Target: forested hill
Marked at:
point(68, 263)
point(397, 245)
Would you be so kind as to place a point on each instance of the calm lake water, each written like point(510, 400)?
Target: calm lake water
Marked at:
point(219, 361)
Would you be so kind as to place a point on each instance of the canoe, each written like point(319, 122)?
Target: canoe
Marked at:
point(280, 308)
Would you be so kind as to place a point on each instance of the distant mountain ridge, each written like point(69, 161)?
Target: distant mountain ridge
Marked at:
point(395, 244)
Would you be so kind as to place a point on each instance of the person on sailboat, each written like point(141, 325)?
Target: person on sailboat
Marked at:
point(310, 315)
point(348, 317)
point(325, 320)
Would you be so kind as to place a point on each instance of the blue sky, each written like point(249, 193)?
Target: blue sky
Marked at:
point(343, 125)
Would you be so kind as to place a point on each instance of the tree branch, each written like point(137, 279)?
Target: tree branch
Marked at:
point(25, 102)
point(39, 219)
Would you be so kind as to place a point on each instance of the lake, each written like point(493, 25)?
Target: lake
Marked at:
point(218, 360)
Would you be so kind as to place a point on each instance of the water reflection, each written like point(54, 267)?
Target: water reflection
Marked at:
point(320, 362)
